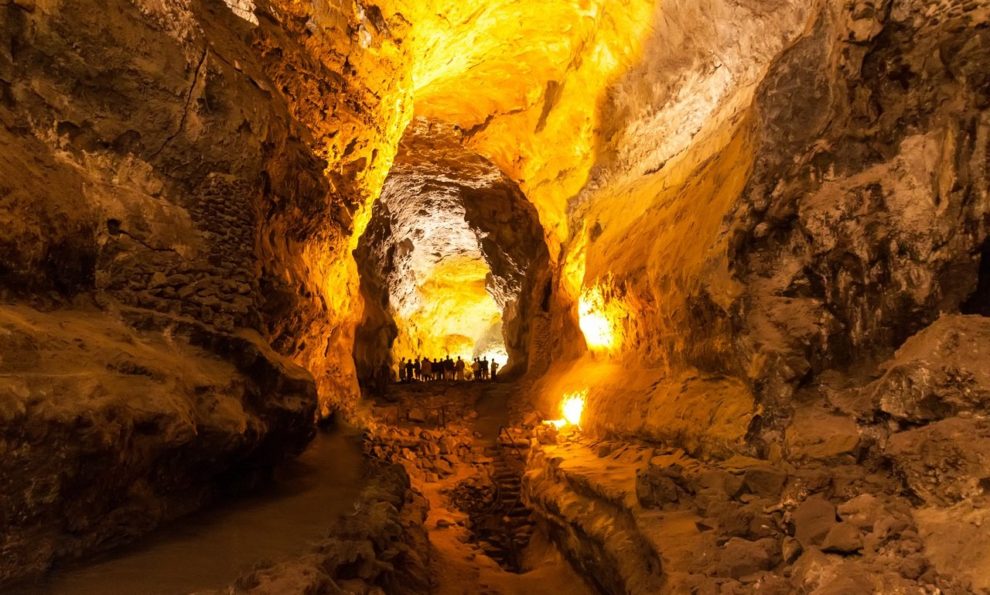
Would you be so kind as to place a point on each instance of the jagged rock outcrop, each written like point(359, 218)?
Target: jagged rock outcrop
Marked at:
point(938, 372)
point(107, 431)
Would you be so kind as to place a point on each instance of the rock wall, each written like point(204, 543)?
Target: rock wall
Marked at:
point(793, 282)
point(179, 184)
point(107, 431)
point(821, 198)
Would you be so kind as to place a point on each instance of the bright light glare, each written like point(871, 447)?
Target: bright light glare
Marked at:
point(572, 407)
point(599, 319)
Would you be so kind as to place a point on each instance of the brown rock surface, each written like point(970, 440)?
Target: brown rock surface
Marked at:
point(813, 520)
point(940, 372)
point(946, 461)
point(751, 235)
point(107, 432)
point(843, 538)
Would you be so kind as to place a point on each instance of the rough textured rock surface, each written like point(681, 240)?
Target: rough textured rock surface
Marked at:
point(791, 233)
point(938, 373)
point(167, 213)
point(753, 235)
point(107, 431)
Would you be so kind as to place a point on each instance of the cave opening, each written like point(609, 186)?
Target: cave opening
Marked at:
point(452, 263)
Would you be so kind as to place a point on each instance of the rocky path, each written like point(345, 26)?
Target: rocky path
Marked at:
point(482, 536)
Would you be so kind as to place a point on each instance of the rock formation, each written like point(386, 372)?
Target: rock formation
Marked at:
point(753, 235)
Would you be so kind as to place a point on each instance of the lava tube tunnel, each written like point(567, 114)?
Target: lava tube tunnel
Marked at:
point(494, 296)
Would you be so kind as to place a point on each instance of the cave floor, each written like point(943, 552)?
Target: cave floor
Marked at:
point(210, 549)
point(464, 421)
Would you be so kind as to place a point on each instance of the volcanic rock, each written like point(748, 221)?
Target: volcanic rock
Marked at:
point(813, 519)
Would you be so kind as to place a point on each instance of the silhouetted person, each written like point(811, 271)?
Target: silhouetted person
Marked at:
point(427, 369)
point(459, 369)
point(402, 370)
point(476, 368)
point(417, 369)
point(437, 369)
point(494, 369)
point(484, 368)
point(409, 371)
point(448, 367)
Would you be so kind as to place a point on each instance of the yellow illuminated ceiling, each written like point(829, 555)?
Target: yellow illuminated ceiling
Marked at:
point(520, 75)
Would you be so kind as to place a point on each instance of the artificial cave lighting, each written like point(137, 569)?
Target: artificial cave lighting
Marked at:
point(494, 354)
point(446, 252)
point(573, 406)
point(600, 318)
point(571, 410)
point(450, 312)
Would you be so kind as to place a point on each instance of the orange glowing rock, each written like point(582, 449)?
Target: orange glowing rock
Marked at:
point(601, 316)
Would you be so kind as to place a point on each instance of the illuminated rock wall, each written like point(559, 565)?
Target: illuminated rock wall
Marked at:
point(733, 197)
point(810, 193)
point(646, 271)
point(179, 192)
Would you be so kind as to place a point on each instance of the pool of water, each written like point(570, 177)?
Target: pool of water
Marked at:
point(210, 549)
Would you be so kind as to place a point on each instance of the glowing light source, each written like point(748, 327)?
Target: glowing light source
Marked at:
point(571, 407)
point(600, 317)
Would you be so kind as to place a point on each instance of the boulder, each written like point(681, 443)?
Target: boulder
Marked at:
point(957, 543)
point(843, 538)
point(741, 557)
point(654, 489)
point(766, 482)
point(861, 511)
point(816, 434)
point(943, 462)
point(820, 573)
point(813, 519)
point(666, 479)
point(938, 373)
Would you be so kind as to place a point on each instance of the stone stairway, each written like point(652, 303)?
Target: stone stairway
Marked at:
point(505, 529)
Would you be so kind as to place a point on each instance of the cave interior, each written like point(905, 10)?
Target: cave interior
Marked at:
point(495, 296)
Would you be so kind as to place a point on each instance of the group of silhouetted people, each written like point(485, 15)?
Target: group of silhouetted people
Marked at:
point(425, 370)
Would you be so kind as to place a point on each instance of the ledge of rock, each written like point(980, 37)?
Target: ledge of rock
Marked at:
point(643, 518)
point(107, 431)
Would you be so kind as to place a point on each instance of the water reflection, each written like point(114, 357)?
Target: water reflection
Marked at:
point(209, 549)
